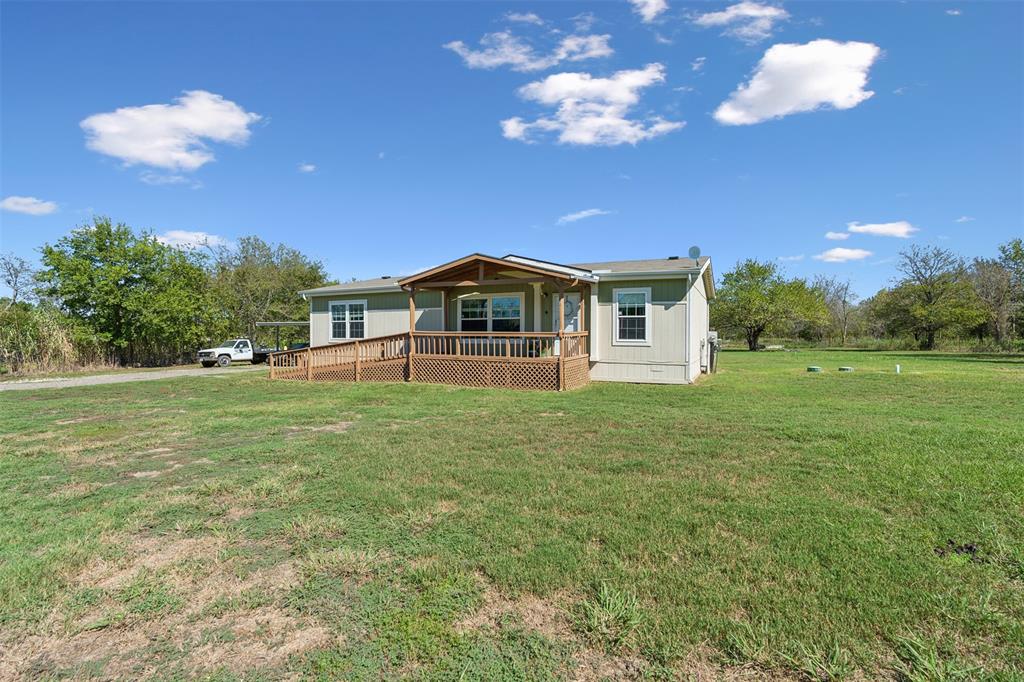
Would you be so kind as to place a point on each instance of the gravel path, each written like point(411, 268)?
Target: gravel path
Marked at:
point(119, 378)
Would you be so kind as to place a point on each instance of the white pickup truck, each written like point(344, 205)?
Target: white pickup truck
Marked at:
point(233, 350)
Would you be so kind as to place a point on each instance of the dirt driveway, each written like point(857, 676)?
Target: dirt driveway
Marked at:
point(118, 378)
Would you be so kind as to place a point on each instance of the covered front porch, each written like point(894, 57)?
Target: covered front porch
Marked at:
point(513, 324)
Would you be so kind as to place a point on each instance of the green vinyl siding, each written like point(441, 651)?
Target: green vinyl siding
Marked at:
point(662, 290)
point(398, 300)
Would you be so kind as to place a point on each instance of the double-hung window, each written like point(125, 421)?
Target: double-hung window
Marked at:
point(632, 316)
point(348, 320)
point(492, 313)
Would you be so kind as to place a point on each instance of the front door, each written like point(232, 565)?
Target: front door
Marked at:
point(572, 315)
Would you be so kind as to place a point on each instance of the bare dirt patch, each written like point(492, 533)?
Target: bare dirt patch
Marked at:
point(77, 420)
point(551, 617)
point(228, 615)
point(153, 473)
point(76, 489)
point(337, 427)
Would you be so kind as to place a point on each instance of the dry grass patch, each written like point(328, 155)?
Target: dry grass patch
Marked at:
point(128, 615)
point(337, 427)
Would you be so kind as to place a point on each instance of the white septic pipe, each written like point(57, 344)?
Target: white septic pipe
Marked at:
point(897, 369)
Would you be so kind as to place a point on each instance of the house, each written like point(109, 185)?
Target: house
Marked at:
point(512, 321)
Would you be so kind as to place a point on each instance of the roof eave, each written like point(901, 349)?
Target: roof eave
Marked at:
point(377, 289)
point(647, 274)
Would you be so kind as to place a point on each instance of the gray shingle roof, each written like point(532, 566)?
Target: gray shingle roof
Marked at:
point(648, 265)
point(615, 266)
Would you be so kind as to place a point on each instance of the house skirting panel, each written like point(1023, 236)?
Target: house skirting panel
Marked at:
point(641, 373)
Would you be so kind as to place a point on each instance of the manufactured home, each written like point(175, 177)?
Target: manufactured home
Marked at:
point(513, 321)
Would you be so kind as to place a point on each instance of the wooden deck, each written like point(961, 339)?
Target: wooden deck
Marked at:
point(539, 361)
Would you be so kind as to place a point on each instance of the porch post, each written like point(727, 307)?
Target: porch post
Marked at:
point(309, 363)
point(538, 309)
point(561, 310)
point(358, 361)
point(444, 309)
point(412, 330)
point(561, 340)
point(584, 293)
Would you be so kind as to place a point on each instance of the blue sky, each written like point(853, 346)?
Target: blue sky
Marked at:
point(387, 137)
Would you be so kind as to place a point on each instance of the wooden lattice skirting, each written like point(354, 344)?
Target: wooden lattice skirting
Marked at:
point(488, 372)
point(538, 374)
point(577, 372)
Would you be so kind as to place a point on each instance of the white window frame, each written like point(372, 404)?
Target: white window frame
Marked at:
point(648, 317)
point(348, 320)
point(490, 310)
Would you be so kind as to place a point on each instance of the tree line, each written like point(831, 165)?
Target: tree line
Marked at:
point(939, 297)
point(108, 295)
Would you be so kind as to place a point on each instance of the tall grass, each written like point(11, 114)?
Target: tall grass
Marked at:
point(42, 339)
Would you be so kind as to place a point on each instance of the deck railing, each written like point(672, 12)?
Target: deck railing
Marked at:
point(513, 346)
point(302, 361)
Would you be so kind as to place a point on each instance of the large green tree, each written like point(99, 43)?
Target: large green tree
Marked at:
point(935, 294)
point(755, 298)
point(147, 302)
point(254, 281)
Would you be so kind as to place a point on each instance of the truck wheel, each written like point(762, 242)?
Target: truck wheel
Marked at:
point(224, 360)
point(208, 364)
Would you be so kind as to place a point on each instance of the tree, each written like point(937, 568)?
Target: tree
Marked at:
point(840, 301)
point(1011, 257)
point(993, 285)
point(935, 292)
point(755, 298)
point(145, 301)
point(17, 275)
point(254, 281)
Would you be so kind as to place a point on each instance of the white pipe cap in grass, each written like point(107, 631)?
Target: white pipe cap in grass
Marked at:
point(813, 368)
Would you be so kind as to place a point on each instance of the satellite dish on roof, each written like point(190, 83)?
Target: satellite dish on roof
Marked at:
point(694, 252)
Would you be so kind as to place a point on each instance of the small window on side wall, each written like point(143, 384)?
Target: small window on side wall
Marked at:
point(632, 316)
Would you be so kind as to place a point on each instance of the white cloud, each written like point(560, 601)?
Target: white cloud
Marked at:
point(505, 49)
point(584, 21)
point(841, 255)
point(953, 12)
point(28, 205)
point(581, 215)
point(170, 136)
point(837, 236)
point(749, 21)
point(524, 18)
point(787, 259)
point(900, 228)
point(151, 178)
point(793, 78)
point(307, 167)
point(649, 9)
point(592, 111)
point(964, 219)
point(698, 63)
point(186, 239)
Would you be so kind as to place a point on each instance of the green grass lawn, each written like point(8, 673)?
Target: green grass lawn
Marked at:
point(765, 523)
